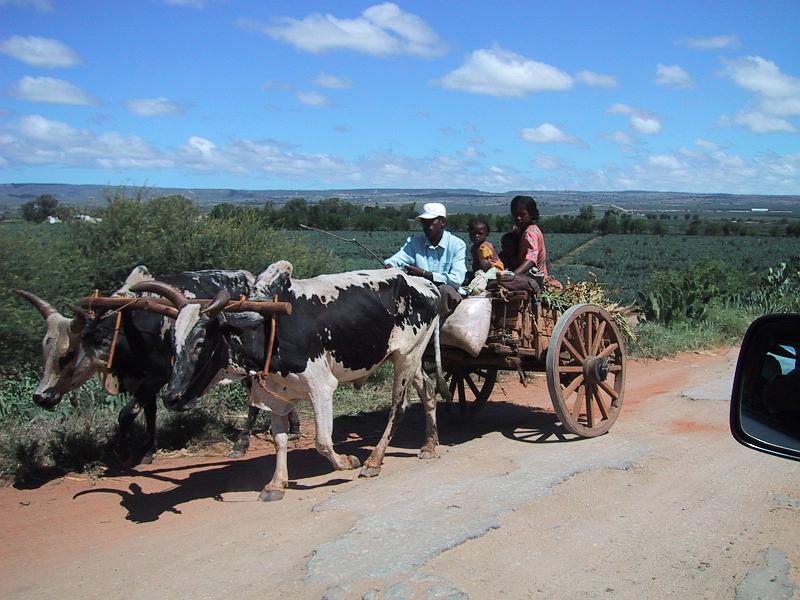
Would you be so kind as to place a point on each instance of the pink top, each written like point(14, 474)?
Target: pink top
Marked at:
point(532, 248)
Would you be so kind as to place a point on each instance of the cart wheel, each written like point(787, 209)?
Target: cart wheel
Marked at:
point(586, 370)
point(471, 387)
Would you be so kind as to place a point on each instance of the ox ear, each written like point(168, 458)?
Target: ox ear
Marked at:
point(274, 278)
point(78, 323)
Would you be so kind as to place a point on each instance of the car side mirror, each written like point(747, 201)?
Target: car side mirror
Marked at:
point(765, 402)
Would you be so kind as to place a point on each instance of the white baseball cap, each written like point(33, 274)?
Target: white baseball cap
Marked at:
point(432, 210)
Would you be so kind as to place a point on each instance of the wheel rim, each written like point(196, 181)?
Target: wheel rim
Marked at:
point(586, 370)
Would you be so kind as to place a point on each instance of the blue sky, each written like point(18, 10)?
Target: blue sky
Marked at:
point(671, 96)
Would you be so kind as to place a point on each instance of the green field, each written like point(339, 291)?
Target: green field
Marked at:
point(621, 263)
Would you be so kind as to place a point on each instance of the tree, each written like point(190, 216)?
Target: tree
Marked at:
point(38, 210)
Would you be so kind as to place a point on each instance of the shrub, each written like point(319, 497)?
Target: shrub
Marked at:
point(675, 295)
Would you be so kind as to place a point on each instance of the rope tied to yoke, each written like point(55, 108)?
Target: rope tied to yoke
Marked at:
point(262, 376)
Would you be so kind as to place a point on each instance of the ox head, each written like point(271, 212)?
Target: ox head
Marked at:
point(67, 365)
point(197, 343)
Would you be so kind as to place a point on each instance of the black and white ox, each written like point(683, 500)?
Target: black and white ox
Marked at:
point(341, 329)
point(74, 349)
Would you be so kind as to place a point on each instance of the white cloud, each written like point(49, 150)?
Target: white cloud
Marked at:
point(499, 72)
point(39, 5)
point(330, 81)
point(40, 52)
point(621, 109)
point(623, 139)
point(706, 145)
point(149, 107)
point(644, 124)
point(639, 120)
point(50, 90)
point(776, 95)
point(547, 162)
point(546, 134)
point(36, 140)
point(664, 161)
point(597, 79)
point(762, 77)
point(710, 43)
point(759, 122)
point(312, 98)
point(381, 30)
point(673, 75)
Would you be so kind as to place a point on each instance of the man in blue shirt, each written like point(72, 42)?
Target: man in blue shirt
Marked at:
point(436, 254)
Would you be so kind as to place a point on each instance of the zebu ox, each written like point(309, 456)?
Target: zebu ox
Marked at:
point(75, 349)
point(341, 329)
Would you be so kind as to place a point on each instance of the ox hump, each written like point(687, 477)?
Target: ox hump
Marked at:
point(137, 275)
point(274, 278)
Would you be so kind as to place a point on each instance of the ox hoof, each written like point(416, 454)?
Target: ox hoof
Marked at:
point(354, 462)
point(294, 436)
point(271, 495)
point(427, 453)
point(147, 459)
point(236, 453)
point(370, 471)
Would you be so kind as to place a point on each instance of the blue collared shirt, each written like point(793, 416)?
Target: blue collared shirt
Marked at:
point(446, 260)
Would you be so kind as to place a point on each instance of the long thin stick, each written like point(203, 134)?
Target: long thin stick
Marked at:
point(353, 240)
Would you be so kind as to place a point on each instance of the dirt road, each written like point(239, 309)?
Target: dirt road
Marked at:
point(666, 505)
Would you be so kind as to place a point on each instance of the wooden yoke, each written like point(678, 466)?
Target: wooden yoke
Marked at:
point(165, 307)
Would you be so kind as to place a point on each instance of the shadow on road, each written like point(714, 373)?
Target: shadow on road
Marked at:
point(353, 435)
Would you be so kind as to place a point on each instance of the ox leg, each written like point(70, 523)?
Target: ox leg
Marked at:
point(243, 441)
point(150, 408)
point(127, 415)
point(323, 418)
point(372, 467)
point(276, 488)
point(294, 425)
point(426, 389)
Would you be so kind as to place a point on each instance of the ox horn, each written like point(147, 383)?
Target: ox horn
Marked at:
point(44, 307)
point(159, 287)
point(220, 301)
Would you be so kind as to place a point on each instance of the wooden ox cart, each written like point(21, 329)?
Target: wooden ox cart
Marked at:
point(581, 351)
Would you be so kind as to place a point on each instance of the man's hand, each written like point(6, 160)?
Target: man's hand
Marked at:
point(416, 271)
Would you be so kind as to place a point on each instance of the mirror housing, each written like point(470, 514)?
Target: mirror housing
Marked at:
point(765, 402)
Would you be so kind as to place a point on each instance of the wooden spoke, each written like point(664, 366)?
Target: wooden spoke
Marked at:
point(580, 340)
point(589, 342)
point(598, 338)
point(471, 388)
point(571, 369)
point(608, 390)
point(579, 402)
point(600, 404)
point(570, 389)
point(614, 368)
point(472, 385)
point(589, 404)
point(608, 350)
point(575, 354)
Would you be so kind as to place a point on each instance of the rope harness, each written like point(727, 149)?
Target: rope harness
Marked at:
point(262, 376)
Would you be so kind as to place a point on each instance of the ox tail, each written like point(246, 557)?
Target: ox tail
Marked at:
point(441, 384)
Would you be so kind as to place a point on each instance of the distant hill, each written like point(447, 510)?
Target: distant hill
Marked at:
point(13, 195)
